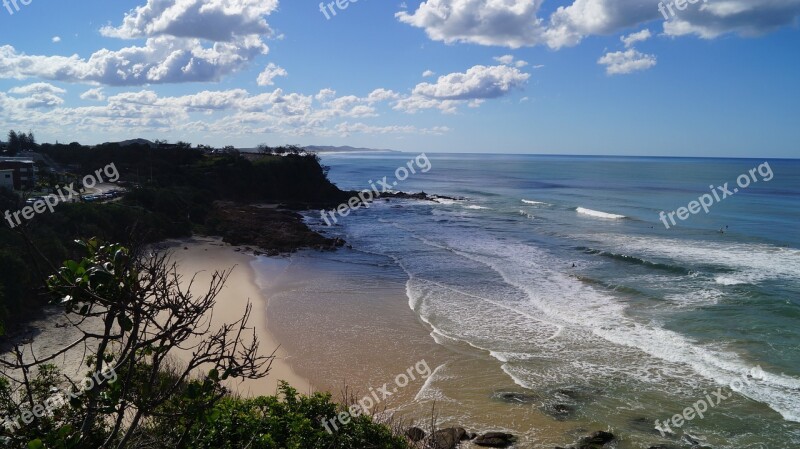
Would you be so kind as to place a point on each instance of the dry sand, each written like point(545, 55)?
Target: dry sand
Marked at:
point(206, 255)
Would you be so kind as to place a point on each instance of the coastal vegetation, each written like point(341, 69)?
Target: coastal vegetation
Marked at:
point(150, 396)
point(172, 191)
point(142, 315)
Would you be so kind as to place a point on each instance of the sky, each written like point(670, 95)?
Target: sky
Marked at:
point(717, 78)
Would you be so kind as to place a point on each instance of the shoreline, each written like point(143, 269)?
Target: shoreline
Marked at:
point(203, 256)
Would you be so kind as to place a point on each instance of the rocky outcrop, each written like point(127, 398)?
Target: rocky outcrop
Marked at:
point(415, 434)
point(494, 439)
point(447, 438)
point(452, 437)
point(273, 231)
point(597, 440)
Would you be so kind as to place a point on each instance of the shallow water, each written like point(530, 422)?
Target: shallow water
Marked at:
point(648, 322)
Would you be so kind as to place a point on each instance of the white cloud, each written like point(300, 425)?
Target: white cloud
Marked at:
point(56, 39)
point(518, 23)
point(475, 85)
point(33, 96)
point(325, 94)
point(479, 82)
point(633, 38)
point(37, 88)
point(161, 60)
point(214, 20)
point(628, 61)
point(271, 72)
point(94, 94)
point(506, 59)
point(508, 23)
point(428, 73)
point(222, 112)
point(743, 17)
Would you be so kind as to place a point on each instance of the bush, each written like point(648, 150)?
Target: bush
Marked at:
point(288, 421)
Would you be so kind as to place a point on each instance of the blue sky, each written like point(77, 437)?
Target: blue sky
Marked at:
point(512, 76)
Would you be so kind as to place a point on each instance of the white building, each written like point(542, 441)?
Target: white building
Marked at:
point(7, 179)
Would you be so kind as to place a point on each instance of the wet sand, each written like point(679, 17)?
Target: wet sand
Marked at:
point(349, 323)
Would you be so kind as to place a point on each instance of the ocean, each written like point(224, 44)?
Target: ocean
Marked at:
point(557, 300)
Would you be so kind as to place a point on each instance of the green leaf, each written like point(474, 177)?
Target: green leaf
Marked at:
point(36, 444)
point(64, 431)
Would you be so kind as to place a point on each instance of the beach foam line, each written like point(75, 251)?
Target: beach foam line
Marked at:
point(598, 214)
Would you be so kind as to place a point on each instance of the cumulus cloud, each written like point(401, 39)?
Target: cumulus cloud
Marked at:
point(509, 60)
point(271, 72)
point(628, 61)
point(473, 86)
point(518, 23)
point(509, 23)
point(33, 96)
point(633, 38)
point(214, 20)
point(746, 18)
point(218, 112)
point(56, 39)
point(184, 41)
point(161, 60)
point(428, 73)
point(94, 94)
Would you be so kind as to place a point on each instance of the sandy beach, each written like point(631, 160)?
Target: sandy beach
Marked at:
point(206, 255)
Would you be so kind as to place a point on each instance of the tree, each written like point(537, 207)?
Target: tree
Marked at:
point(13, 143)
point(31, 141)
point(145, 315)
point(265, 149)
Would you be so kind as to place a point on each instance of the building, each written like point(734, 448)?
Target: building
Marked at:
point(7, 179)
point(23, 171)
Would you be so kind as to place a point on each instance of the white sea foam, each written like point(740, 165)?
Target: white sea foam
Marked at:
point(476, 207)
point(569, 302)
point(535, 202)
point(598, 214)
point(527, 304)
point(751, 263)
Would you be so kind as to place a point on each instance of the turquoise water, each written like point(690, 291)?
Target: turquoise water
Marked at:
point(655, 318)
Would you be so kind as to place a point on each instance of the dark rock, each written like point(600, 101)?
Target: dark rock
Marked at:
point(644, 425)
point(495, 439)
point(514, 397)
point(598, 438)
point(415, 434)
point(446, 438)
point(559, 411)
